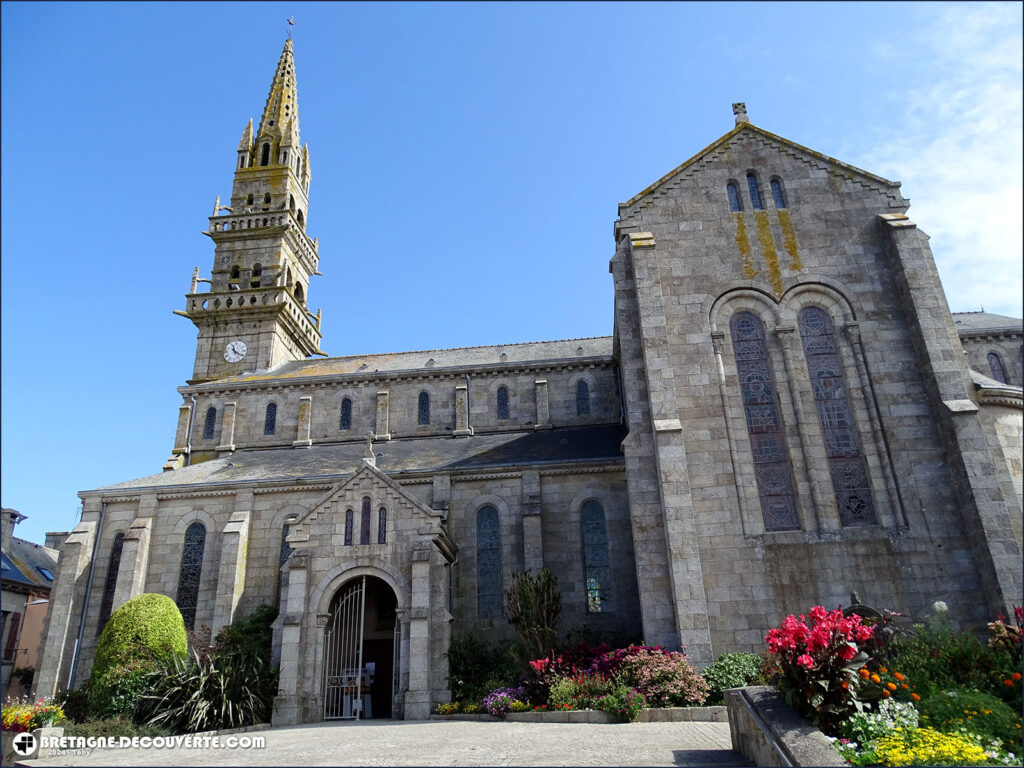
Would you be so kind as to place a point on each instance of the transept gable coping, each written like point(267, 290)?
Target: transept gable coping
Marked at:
point(747, 130)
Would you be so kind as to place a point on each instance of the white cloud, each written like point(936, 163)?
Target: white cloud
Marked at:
point(960, 156)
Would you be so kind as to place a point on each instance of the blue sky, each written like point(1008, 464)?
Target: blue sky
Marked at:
point(467, 161)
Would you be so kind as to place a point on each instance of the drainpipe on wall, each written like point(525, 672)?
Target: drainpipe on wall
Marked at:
point(88, 591)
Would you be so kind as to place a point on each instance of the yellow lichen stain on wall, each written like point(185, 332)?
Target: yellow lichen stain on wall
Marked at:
point(743, 244)
point(764, 236)
point(789, 239)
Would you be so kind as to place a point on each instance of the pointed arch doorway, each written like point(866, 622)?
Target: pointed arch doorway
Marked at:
point(362, 643)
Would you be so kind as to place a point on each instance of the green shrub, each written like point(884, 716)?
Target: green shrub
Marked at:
point(866, 728)
point(476, 667)
point(147, 628)
point(733, 670)
point(448, 709)
point(974, 712)
point(248, 637)
point(533, 605)
point(120, 690)
point(75, 703)
point(622, 702)
point(113, 727)
point(579, 691)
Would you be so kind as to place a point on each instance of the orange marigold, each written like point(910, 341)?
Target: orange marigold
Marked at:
point(899, 676)
point(864, 673)
point(1007, 681)
point(876, 679)
point(845, 685)
point(1015, 676)
point(904, 685)
point(885, 693)
point(915, 697)
point(883, 670)
point(891, 686)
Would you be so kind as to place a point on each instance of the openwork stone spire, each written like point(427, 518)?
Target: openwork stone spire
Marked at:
point(280, 119)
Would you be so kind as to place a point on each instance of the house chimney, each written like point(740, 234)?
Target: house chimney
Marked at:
point(11, 517)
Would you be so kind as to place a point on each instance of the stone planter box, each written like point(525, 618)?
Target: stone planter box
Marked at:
point(647, 715)
point(767, 731)
point(7, 747)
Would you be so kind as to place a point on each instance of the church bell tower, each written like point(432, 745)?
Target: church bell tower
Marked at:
point(255, 314)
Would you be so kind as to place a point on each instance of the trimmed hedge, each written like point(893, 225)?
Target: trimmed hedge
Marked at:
point(147, 628)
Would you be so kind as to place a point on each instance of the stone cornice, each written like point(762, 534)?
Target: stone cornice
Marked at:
point(1010, 397)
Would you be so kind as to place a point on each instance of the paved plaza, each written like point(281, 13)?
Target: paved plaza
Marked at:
point(430, 743)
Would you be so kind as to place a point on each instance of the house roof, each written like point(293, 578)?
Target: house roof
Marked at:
point(573, 445)
point(393, 362)
point(23, 564)
point(977, 322)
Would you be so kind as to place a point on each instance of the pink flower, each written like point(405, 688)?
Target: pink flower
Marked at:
point(805, 661)
point(847, 652)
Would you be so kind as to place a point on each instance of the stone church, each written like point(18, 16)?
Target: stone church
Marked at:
point(783, 415)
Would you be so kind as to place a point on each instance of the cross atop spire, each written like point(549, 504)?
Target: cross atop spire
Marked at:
point(291, 25)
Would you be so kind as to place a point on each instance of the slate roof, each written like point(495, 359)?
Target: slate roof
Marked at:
point(21, 561)
point(573, 445)
point(968, 322)
point(459, 357)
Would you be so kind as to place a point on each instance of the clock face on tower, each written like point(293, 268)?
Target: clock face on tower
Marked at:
point(235, 351)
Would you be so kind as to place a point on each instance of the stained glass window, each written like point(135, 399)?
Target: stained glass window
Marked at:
point(349, 522)
point(595, 556)
point(113, 566)
point(488, 562)
point(346, 414)
point(423, 409)
point(286, 552)
point(210, 424)
point(777, 196)
point(735, 204)
point(755, 192)
point(364, 522)
point(191, 570)
point(582, 398)
point(270, 420)
point(764, 423)
point(502, 403)
point(382, 526)
point(996, 365)
point(846, 464)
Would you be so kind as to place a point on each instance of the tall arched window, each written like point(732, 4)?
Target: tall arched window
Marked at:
point(845, 462)
point(349, 523)
point(735, 203)
point(286, 552)
point(582, 398)
point(265, 155)
point(382, 525)
point(995, 364)
point(595, 556)
point(190, 572)
point(502, 403)
point(270, 419)
point(488, 562)
point(113, 566)
point(755, 191)
point(777, 194)
point(423, 409)
point(236, 271)
point(210, 424)
point(345, 422)
point(764, 423)
point(364, 522)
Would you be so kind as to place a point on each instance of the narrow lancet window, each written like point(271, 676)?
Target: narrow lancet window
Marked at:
point(382, 525)
point(582, 398)
point(845, 462)
point(265, 155)
point(346, 414)
point(270, 419)
point(755, 192)
point(113, 566)
point(286, 552)
point(190, 572)
point(995, 364)
point(735, 204)
point(488, 563)
point(502, 403)
point(210, 424)
point(349, 523)
point(764, 423)
point(777, 195)
point(364, 522)
point(423, 409)
point(595, 556)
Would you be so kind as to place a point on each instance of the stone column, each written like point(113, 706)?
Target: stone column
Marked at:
point(67, 597)
point(462, 428)
point(752, 522)
point(417, 698)
point(816, 517)
point(233, 556)
point(288, 702)
point(543, 410)
point(533, 546)
point(131, 576)
point(442, 493)
point(382, 432)
point(227, 429)
point(181, 434)
point(305, 416)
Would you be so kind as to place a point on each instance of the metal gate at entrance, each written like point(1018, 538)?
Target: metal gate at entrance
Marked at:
point(352, 658)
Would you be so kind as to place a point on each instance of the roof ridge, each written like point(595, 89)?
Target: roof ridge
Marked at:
point(453, 349)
